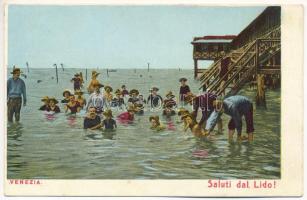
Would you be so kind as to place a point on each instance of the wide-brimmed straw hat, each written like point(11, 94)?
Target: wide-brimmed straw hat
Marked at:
point(185, 116)
point(132, 108)
point(66, 91)
point(170, 94)
point(155, 118)
point(98, 85)
point(45, 98)
point(94, 73)
point(189, 97)
point(16, 70)
point(154, 89)
point(183, 111)
point(108, 88)
point(183, 79)
point(108, 113)
point(118, 91)
point(78, 92)
point(134, 91)
point(54, 100)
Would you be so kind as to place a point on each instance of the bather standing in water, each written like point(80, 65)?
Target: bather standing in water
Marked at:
point(97, 99)
point(80, 98)
point(124, 91)
point(154, 99)
point(155, 123)
point(118, 100)
point(128, 116)
point(108, 123)
point(77, 82)
point(72, 105)
point(45, 100)
point(184, 89)
point(66, 95)
point(204, 102)
point(236, 107)
point(190, 123)
point(94, 81)
point(92, 121)
point(52, 107)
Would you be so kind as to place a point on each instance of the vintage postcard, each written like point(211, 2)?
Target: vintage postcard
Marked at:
point(148, 99)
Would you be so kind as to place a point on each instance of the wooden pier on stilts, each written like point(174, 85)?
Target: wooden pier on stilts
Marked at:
point(253, 56)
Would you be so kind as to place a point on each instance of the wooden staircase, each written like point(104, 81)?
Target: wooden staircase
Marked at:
point(243, 67)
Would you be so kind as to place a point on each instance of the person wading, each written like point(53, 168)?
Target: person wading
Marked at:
point(94, 81)
point(97, 99)
point(16, 92)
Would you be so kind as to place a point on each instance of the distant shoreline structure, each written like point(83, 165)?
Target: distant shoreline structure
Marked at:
point(110, 69)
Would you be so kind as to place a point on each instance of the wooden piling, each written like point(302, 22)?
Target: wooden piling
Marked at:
point(62, 66)
point(107, 72)
point(260, 96)
point(56, 73)
point(85, 73)
point(27, 66)
point(148, 67)
point(195, 68)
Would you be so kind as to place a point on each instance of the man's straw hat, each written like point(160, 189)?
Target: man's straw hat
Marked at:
point(16, 70)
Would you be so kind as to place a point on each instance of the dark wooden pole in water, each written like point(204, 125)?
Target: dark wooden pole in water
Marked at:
point(62, 66)
point(27, 66)
point(148, 66)
point(85, 73)
point(107, 72)
point(56, 73)
point(195, 68)
point(260, 96)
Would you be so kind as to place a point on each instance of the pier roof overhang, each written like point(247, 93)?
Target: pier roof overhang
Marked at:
point(213, 39)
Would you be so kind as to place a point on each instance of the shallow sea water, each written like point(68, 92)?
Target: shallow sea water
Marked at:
point(61, 149)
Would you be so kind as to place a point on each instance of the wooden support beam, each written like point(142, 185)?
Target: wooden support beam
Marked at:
point(260, 96)
point(195, 68)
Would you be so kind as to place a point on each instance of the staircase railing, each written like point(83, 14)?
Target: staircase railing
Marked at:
point(211, 80)
point(244, 58)
point(248, 68)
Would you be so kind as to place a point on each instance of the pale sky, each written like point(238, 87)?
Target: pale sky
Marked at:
point(116, 36)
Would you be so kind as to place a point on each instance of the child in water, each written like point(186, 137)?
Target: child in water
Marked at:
point(127, 116)
point(155, 123)
point(80, 99)
point(66, 95)
point(118, 100)
point(52, 107)
point(72, 105)
point(195, 128)
point(45, 100)
point(108, 123)
point(107, 95)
